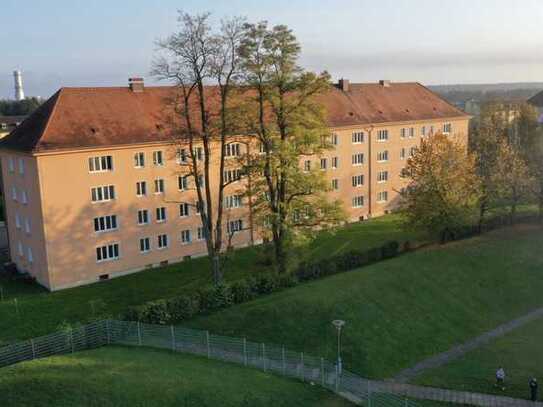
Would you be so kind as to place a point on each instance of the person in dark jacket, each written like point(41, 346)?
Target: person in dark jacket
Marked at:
point(533, 389)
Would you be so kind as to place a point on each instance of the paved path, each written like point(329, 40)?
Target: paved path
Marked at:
point(459, 350)
point(442, 395)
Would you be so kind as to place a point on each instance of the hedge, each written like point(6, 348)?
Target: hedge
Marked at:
point(212, 298)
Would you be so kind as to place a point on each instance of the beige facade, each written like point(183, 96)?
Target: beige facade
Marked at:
point(51, 214)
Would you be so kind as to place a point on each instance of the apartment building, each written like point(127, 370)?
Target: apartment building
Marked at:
point(95, 185)
point(537, 102)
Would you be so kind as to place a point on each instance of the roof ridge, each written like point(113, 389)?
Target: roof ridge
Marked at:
point(55, 99)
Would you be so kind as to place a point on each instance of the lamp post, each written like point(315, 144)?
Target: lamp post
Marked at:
point(338, 323)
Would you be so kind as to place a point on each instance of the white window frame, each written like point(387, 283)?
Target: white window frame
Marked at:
point(447, 128)
point(233, 201)
point(161, 214)
point(14, 193)
point(335, 184)
point(145, 245)
point(423, 131)
point(334, 139)
point(232, 150)
point(27, 226)
point(112, 252)
point(18, 220)
point(159, 186)
point(358, 159)
point(103, 190)
point(382, 196)
point(357, 180)
point(382, 177)
point(200, 234)
point(106, 223)
point(29, 255)
point(186, 237)
point(182, 156)
point(139, 159)
point(324, 163)
point(358, 201)
point(335, 163)
point(11, 164)
point(411, 132)
point(158, 158)
point(184, 210)
point(382, 156)
point(20, 249)
point(403, 132)
point(382, 135)
point(24, 197)
point(21, 166)
point(307, 165)
point(162, 241)
point(183, 182)
point(141, 188)
point(358, 137)
point(234, 226)
point(100, 163)
point(143, 213)
point(402, 154)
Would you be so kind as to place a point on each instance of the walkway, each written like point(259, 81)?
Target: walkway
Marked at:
point(442, 395)
point(460, 350)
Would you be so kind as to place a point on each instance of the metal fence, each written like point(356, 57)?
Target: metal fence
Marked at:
point(266, 357)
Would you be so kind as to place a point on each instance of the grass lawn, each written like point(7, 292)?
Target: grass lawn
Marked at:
point(519, 353)
point(402, 310)
point(119, 376)
point(39, 312)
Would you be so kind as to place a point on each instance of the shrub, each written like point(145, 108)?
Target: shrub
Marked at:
point(154, 312)
point(183, 307)
point(242, 291)
point(213, 298)
point(374, 255)
point(390, 249)
point(264, 283)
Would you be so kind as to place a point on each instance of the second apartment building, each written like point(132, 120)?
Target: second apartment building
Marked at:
point(94, 187)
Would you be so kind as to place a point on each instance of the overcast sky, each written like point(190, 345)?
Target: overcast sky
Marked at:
point(102, 42)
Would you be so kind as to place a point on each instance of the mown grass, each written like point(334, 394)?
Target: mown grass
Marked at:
point(402, 310)
point(119, 376)
point(519, 352)
point(37, 312)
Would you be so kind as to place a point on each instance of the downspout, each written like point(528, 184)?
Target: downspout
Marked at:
point(369, 131)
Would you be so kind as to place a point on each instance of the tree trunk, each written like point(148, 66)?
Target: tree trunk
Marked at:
point(216, 265)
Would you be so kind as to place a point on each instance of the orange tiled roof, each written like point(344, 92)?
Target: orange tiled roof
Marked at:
point(109, 116)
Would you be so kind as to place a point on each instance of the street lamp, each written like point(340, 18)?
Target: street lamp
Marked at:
point(338, 323)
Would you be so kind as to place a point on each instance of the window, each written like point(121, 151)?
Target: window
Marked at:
point(103, 193)
point(143, 217)
point(335, 162)
point(382, 196)
point(358, 201)
point(184, 209)
point(162, 241)
point(139, 160)
point(200, 205)
point(141, 188)
point(358, 180)
point(17, 220)
point(159, 186)
point(403, 132)
point(232, 175)
point(411, 132)
point(183, 182)
point(145, 245)
point(307, 165)
point(261, 148)
point(20, 250)
point(324, 163)
point(382, 176)
point(382, 135)
point(27, 226)
point(358, 137)
point(24, 197)
point(101, 164)
point(29, 255)
point(412, 151)
point(14, 193)
point(186, 237)
point(161, 214)
point(11, 164)
point(334, 140)
point(335, 184)
point(232, 150)
point(201, 181)
point(107, 252)
point(234, 226)
point(105, 223)
point(382, 156)
point(158, 158)
point(200, 233)
point(198, 153)
point(232, 201)
point(358, 159)
point(21, 166)
point(182, 156)
point(447, 128)
point(402, 154)
point(423, 131)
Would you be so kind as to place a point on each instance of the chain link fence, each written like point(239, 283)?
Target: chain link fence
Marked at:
point(266, 357)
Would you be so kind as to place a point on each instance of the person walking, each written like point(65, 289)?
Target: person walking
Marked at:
point(500, 378)
point(533, 389)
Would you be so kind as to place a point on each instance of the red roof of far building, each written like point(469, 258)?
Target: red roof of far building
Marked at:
point(109, 116)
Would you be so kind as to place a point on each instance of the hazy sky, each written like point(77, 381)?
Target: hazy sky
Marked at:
point(91, 43)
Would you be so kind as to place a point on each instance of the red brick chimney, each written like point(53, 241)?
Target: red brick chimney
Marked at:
point(136, 84)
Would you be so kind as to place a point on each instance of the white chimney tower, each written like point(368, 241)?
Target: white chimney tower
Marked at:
point(18, 79)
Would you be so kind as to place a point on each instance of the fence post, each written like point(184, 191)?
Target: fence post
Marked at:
point(337, 377)
point(302, 365)
point(208, 345)
point(322, 372)
point(172, 330)
point(245, 351)
point(264, 357)
point(283, 360)
point(369, 394)
point(406, 402)
point(139, 333)
point(72, 339)
point(33, 349)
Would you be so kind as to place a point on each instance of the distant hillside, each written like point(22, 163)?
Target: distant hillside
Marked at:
point(460, 93)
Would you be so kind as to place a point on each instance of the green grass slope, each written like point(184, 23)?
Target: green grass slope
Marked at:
point(403, 310)
point(118, 376)
point(40, 313)
point(519, 353)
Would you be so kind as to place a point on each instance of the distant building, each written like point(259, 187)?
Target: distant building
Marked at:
point(96, 187)
point(537, 101)
point(8, 123)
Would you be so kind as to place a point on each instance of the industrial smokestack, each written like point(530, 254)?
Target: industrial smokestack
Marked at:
point(18, 79)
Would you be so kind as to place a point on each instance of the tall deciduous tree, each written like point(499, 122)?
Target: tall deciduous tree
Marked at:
point(444, 188)
point(195, 57)
point(289, 126)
